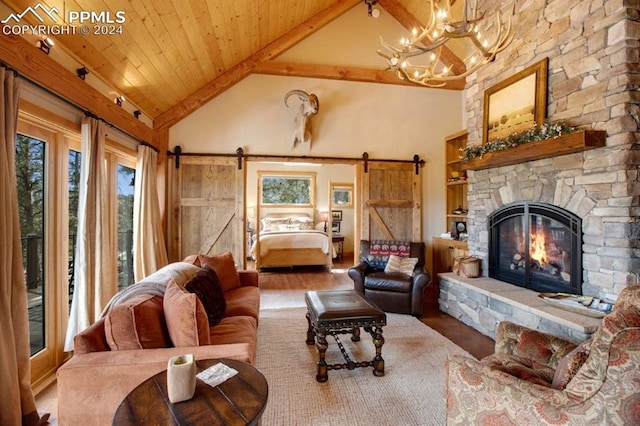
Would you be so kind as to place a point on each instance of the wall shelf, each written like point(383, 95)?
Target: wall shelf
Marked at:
point(566, 144)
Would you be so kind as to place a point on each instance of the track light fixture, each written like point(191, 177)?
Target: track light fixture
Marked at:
point(372, 11)
point(82, 72)
point(137, 113)
point(119, 100)
point(45, 44)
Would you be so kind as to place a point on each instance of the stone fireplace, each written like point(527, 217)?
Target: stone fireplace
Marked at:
point(592, 83)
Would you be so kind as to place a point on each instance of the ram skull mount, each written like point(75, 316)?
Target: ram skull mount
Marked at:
point(302, 123)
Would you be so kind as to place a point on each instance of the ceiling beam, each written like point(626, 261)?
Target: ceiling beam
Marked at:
point(30, 62)
point(338, 72)
point(407, 20)
point(227, 79)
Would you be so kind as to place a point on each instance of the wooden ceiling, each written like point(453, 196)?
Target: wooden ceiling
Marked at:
point(175, 55)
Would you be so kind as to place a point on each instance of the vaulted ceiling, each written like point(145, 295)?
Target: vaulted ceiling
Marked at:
point(175, 55)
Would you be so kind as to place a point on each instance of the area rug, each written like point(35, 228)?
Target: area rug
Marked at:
point(410, 393)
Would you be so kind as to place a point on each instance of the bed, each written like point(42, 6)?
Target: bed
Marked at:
point(287, 240)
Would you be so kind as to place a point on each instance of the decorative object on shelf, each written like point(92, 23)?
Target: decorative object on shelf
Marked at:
point(535, 133)
point(460, 210)
point(516, 103)
point(442, 27)
point(309, 106)
point(181, 378)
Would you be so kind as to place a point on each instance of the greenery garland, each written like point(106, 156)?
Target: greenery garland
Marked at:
point(535, 133)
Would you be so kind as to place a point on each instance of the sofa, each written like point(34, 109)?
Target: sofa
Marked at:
point(151, 321)
point(538, 379)
point(392, 275)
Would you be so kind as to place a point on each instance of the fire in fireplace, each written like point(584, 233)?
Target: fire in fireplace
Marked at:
point(537, 246)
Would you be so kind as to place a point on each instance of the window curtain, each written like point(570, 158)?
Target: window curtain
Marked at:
point(94, 281)
point(149, 250)
point(17, 404)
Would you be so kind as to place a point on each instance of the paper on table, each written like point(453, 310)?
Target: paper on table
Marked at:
point(216, 374)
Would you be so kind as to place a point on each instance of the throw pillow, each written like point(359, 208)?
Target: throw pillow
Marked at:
point(225, 268)
point(570, 364)
point(186, 318)
point(137, 323)
point(206, 285)
point(402, 265)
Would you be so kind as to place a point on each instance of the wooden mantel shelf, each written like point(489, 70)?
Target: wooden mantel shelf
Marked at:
point(566, 144)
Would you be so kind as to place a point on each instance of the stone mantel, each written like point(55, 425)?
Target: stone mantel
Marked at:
point(581, 140)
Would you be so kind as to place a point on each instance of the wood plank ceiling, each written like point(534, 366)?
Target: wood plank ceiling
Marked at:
point(175, 55)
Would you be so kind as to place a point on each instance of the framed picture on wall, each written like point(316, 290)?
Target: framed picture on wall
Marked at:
point(336, 216)
point(516, 104)
point(335, 227)
point(342, 195)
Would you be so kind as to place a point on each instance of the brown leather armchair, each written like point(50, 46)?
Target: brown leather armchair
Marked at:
point(391, 292)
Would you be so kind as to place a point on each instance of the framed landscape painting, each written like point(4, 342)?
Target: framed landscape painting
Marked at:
point(515, 104)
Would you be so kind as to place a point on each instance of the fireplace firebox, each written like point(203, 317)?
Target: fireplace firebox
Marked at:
point(536, 246)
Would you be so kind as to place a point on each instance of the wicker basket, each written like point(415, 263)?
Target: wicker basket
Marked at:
point(468, 266)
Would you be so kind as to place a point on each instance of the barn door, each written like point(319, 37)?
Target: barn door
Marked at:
point(391, 202)
point(206, 195)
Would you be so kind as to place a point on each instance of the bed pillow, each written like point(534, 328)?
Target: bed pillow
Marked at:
point(270, 224)
point(225, 267)
point(402, 265)
point(306, 223)
point(289, 227)
point(206, 285)
point(186, 318)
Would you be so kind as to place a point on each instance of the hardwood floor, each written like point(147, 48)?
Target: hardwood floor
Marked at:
point(285, 288)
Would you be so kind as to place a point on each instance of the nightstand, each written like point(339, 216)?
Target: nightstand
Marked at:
point(339, 241)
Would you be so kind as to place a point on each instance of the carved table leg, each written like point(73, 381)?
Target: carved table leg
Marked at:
point(322, 350)
point(310, 332)
point(378, 362)
point(356, 334)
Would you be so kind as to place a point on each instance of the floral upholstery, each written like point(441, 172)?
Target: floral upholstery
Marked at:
point(514, 386)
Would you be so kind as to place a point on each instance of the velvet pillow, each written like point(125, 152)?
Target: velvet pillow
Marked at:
point(186, 318)
point(225, 268)
point(570, 364)
point(400, 264)
point(206, 285)
point(137, 323)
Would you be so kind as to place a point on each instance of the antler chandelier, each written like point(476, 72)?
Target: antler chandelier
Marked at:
point(432, 39)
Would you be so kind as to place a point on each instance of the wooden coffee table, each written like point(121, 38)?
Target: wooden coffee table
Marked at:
point(343, 312)
point(238, 401)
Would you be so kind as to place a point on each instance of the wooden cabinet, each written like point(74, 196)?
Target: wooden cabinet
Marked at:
point(456, 181)
point(444, 252)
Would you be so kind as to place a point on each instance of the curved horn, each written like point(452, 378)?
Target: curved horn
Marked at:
point(314, 101)
point(300, 93)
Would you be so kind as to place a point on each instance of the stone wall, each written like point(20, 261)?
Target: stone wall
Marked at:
point(593, 54)
point(593, 81)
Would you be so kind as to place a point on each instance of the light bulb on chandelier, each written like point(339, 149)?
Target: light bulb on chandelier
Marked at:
point(432, 39)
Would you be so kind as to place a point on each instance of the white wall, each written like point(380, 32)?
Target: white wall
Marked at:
point(387, 121)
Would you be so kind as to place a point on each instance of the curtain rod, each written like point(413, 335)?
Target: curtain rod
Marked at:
point(240, 155)
point(68, 102)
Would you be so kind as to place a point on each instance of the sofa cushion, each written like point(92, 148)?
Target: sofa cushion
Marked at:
point(137, 323)
point(225, 267)
point(388, 282)
point(570, 364)
point(402, 265)
point(185, 316)
point(243, 301)
point(239, 329)
point(91, 339)
point(206, 285)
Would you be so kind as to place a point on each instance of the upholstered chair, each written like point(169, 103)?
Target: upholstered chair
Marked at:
point(537, 379)
point(399, 292)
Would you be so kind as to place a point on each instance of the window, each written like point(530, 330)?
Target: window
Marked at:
point(30, 175)
point(279, 189)
point(75, 161)
point(125, 184)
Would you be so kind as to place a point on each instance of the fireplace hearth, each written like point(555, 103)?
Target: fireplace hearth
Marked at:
point(536, 246)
